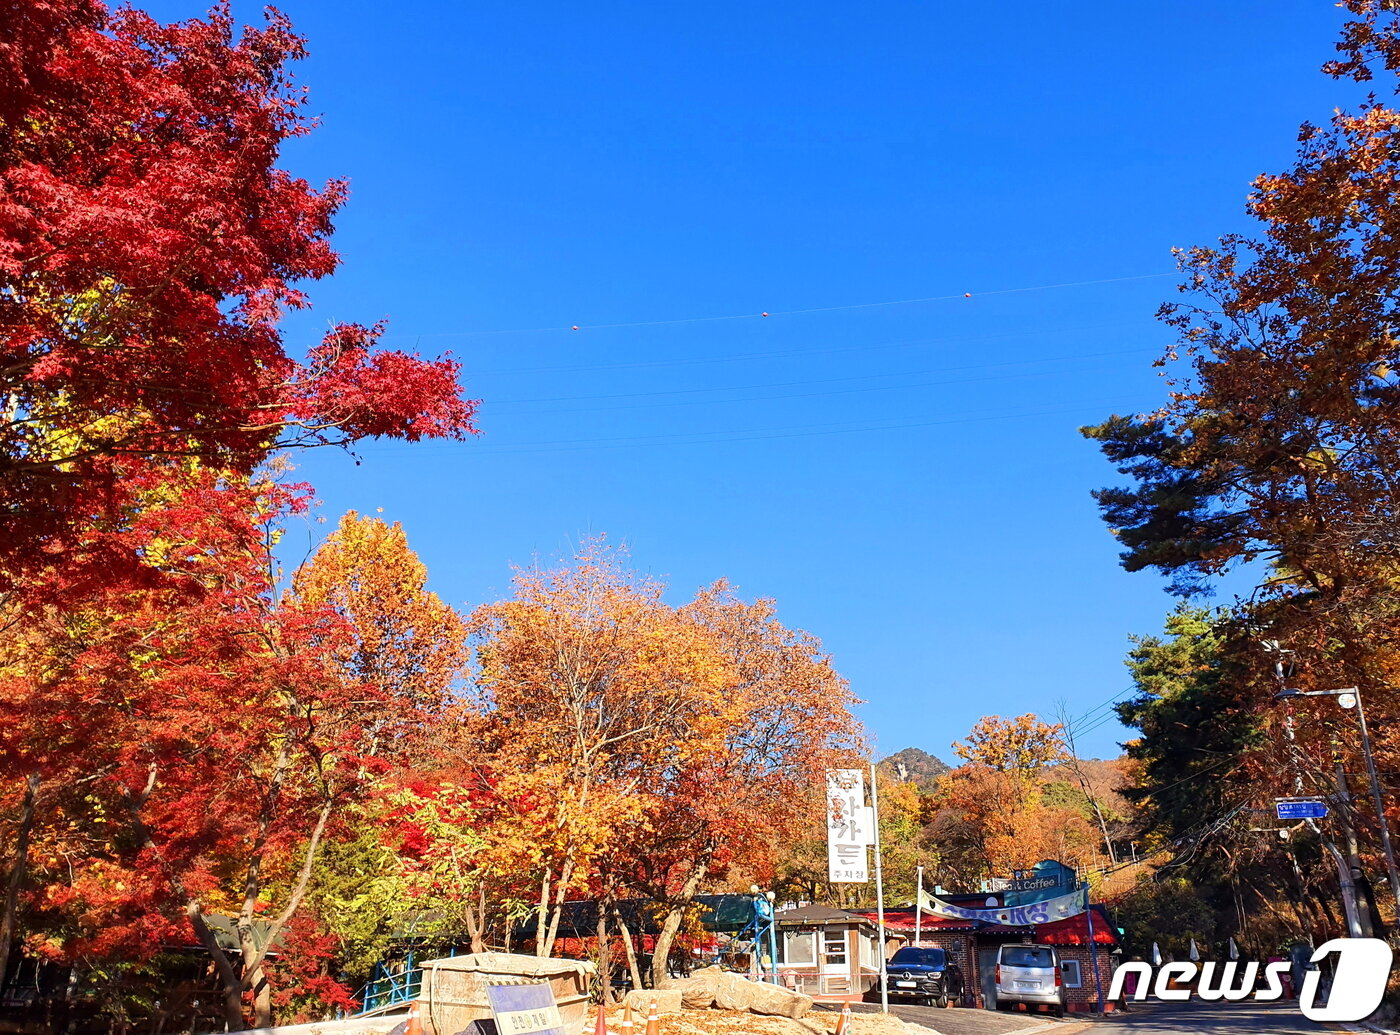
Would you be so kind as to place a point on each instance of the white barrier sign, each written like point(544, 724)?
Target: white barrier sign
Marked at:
point(848, 830)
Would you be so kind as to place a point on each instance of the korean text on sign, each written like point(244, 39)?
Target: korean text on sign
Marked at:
point(848, 832)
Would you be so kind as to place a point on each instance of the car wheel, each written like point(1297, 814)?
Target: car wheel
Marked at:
point(942, 1002)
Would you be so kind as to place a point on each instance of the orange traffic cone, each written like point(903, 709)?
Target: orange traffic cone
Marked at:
point(653, 1021)
point(628, 1027)
point(601, 1028)
point(843, 1026)
point(415, 1023)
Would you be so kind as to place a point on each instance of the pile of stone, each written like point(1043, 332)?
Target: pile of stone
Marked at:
point(713, 987)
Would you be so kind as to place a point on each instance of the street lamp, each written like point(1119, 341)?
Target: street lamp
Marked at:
point(1350, 697)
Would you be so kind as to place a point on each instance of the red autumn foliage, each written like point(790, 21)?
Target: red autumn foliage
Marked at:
point(148, 246)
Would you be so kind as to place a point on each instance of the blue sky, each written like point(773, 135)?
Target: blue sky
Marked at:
point(906, 480)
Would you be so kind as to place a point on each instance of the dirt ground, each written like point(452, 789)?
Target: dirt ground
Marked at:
point(729, 1022)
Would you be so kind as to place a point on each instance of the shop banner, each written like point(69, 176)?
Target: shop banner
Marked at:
point(1062, 907)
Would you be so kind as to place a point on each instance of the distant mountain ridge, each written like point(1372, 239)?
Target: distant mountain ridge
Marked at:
point(916, 766)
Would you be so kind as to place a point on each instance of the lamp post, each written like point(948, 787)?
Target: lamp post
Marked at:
point(765, 924)
point(1350, 697)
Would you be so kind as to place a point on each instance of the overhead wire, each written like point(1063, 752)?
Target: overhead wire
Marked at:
point(754, 435)
point(676, 397)
point(1100, 707)
point(1097, 724)
point(830, 380)
point(868, 390)
point(767, 314)
point(876, 346)
point(1110, 712)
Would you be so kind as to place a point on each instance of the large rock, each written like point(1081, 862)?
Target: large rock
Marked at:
point(734, 992)
point(667, 1000)
point(697, 990)
point(711, 986)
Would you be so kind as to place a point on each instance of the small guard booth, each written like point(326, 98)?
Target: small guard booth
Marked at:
point(825, 951)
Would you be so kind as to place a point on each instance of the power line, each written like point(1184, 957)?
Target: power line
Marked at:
point(752, 435)
point(902, 343)
point(1100, 707)
point(796, 312)
point(1098, 724)
point(829, 380)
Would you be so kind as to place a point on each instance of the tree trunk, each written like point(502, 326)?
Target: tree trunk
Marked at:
point(542, 915)
point(262, 1001)
point(8, 920)
point(254, 975)
point(561, 889)
point(604, 955)
point(233, 987)
point(671, 926)
point(630, 948)
point(1068, 735)
point(476, 919)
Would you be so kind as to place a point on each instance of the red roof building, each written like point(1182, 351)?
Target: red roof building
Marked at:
point(973, 945)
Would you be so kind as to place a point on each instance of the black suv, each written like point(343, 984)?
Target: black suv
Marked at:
point(925, 974)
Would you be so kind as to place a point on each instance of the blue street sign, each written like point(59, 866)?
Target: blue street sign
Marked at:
point(1300, 809)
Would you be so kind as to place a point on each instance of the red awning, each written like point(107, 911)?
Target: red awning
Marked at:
point(1075, 930)
point(1071, 931)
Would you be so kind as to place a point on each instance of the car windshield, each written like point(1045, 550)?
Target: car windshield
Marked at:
point(924, 957)
point(1027, 956)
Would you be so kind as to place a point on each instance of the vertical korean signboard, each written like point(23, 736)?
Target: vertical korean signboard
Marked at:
point(848, 830)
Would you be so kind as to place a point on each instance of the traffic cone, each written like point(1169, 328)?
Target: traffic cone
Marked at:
point(601, 1028)
point(415, 1023)
point(843, 1026)
point(653, 1021)
point(628, 1027)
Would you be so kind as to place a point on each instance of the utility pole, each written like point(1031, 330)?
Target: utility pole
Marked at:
point(1363, 899)
point(1093, 946)
point(1350, 697)
point(1390, 868)
point(919, 906)
point(879, 892)
point(773, 935)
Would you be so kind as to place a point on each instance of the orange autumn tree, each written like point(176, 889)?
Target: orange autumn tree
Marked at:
point(404, 639)
point(636, 749)
point(726, 811)
point(590, 686)
point(408, 647)
point(1021, 747)
point(994, 817)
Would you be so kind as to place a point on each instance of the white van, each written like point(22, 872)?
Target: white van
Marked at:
point(1030, 974)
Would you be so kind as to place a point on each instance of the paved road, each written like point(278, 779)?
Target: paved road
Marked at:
point(1192, 1018)
point(1196, 1017)
point(959, 1020)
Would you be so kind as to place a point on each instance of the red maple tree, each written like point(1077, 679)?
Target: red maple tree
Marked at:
point(149, 245)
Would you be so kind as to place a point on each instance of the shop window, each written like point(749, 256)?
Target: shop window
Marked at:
point(834, 949)
point(798, 947)
point(1070, 970)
